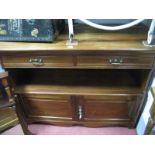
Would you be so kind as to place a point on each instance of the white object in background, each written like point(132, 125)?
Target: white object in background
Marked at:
point(145, 115)
point(71, 31)
point(151, 33)
point(112, 28)
point(71, 42)
point(1, 69)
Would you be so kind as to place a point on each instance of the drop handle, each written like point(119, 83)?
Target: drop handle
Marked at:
point(116, 61)
point(36, 61)
point(80, 111)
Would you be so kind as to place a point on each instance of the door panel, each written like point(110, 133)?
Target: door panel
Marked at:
point(53, 107)
point(111, 108)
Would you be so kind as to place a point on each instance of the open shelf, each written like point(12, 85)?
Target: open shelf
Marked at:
point(75, 90)
point(76, 81)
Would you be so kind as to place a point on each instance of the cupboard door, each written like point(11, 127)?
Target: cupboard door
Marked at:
point(111, 109)
point(53, 107)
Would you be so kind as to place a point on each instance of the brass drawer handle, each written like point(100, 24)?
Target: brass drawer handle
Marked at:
point(116, 61)
point(36, 61)
point(80, 112)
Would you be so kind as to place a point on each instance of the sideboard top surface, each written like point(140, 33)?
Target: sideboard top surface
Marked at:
point(88, 39)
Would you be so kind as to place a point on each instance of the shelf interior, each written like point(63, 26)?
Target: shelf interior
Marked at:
point(79, 81)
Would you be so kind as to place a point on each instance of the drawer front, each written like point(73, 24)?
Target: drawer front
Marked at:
point(54, 107)
point(37, 61)
point(123, 62)
point(110, 108)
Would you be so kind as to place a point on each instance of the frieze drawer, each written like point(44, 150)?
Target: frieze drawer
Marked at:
point(37, 61)
point(122, 62)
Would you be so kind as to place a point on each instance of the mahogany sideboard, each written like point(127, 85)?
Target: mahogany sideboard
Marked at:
point(103, 80)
